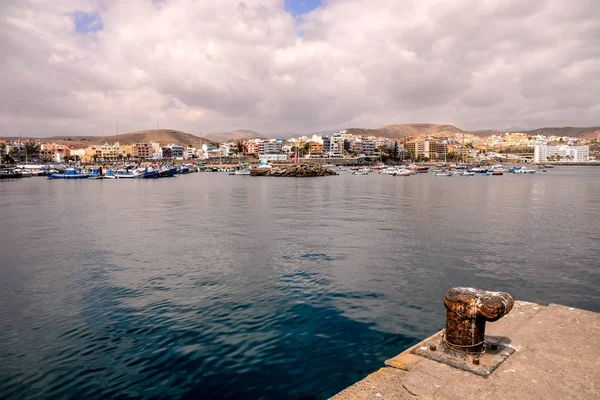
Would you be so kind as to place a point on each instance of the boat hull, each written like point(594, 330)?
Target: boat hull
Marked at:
point(67, 176)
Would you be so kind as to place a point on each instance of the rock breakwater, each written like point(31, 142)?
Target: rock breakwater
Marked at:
point(299, 170)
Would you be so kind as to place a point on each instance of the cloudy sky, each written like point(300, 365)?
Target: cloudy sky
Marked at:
point(82, 66)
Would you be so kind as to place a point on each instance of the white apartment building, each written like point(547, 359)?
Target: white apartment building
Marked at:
point(271, 147)
point(542, 152)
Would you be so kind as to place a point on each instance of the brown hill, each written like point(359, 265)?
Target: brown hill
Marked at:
point(404, 130)
point(162, 136)
point(590, 132)
point(240, 134)
point(397, 131)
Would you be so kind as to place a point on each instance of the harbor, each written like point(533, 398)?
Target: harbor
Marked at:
point(165, 170)
point(245, 287)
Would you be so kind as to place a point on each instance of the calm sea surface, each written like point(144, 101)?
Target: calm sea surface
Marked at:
point(213, 286)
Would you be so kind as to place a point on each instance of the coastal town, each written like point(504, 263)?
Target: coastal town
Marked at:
point(509, 147)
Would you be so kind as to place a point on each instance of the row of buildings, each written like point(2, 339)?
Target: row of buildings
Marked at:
point(341, 144)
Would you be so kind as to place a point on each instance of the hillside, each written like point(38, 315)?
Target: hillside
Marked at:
point(240, 134)
point(397, 131)
point(404, 130)
point(162, 136)
point(590, 132)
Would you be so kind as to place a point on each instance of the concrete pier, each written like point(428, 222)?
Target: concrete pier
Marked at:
point(555, 354)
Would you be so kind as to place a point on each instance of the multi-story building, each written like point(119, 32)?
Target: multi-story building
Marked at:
point(142, 150)
point(176, 151)
point(366, 147)
point(333, 146)
point(315, 147)
point(105, 152)
point(191, 152)
point(80, 153)
point(269, 147)
point(57, 151)
point(166, 153)
point(543, 153)
point(251, 147)
point(430, 149)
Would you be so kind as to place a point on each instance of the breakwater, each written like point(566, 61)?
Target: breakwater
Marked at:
point(300, 170)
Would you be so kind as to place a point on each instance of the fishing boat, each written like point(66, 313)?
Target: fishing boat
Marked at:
point(497, 173)
point(363, 171)
point(70, 173)
point(245, 171)
point(94, 173)
point(10, 174)
point(441, 173)
point(150, 174)
point(126, 174)
point(467, 173)
point(485, 174)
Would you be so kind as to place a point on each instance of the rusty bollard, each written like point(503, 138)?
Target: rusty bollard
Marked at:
point(468, 310)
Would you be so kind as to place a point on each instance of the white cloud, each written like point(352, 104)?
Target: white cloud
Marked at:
point(204, 66)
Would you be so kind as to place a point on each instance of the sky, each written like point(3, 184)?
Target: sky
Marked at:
point(80, 67)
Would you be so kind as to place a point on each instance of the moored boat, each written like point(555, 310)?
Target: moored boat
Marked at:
point(403, 172)
point(524, 170)
point(10, 174)
point(245, 171)
point(70, 173)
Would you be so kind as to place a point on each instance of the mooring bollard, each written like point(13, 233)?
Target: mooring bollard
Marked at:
point(468, 310)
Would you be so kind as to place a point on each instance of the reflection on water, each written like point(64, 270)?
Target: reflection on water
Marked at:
point(236, 287)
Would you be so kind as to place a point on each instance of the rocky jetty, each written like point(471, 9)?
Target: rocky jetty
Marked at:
point(299, 170)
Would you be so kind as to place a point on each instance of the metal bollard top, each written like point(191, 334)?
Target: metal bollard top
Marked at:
point(479, 303)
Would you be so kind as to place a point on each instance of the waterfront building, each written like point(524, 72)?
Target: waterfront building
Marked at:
point(209, 152)
point(142, 150)
point(543, 153)
point(227, 149)
point(430, 149)
point(269, 147)
point(265, 158)
point(315, 147)
point(191, 152)
point(78, 153)
point(366, 147)
point(166, 153)
point(333, 146)
point(250, 147)
point(176, 151)
point(53, 152)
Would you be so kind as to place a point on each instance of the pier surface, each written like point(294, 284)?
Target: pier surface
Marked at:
point(557, 356)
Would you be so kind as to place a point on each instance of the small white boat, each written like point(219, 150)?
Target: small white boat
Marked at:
point(443, 173)
point(467, 173)
point(403, 172)
point(245, 171)
point(361, 172)
point(524, 170)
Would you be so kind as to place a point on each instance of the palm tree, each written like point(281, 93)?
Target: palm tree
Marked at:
point(31, 148)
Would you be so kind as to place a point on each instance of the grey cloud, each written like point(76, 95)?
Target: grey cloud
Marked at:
point(208, 66)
